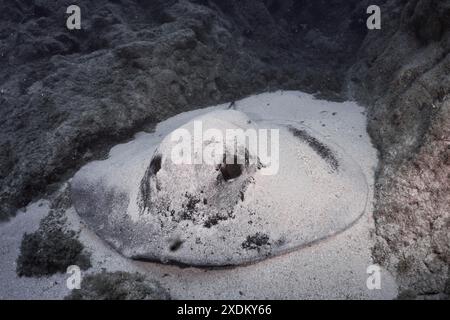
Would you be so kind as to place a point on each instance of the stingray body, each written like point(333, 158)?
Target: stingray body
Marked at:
point(147, 207)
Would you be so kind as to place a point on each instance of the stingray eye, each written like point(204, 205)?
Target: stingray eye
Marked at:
point(155, 164)
point(230, 170)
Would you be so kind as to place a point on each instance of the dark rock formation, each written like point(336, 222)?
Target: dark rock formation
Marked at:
point(403, 76)
point(118, 286)
point(53, 247)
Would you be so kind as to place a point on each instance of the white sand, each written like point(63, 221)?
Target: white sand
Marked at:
point(332, 268)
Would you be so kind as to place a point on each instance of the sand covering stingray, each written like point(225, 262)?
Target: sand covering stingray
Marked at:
point(149, 208)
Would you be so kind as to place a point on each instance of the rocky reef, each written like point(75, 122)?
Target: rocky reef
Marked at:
point(402, 75)
point(118, 286)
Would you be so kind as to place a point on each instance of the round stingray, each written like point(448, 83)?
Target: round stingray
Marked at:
point(147, 207)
